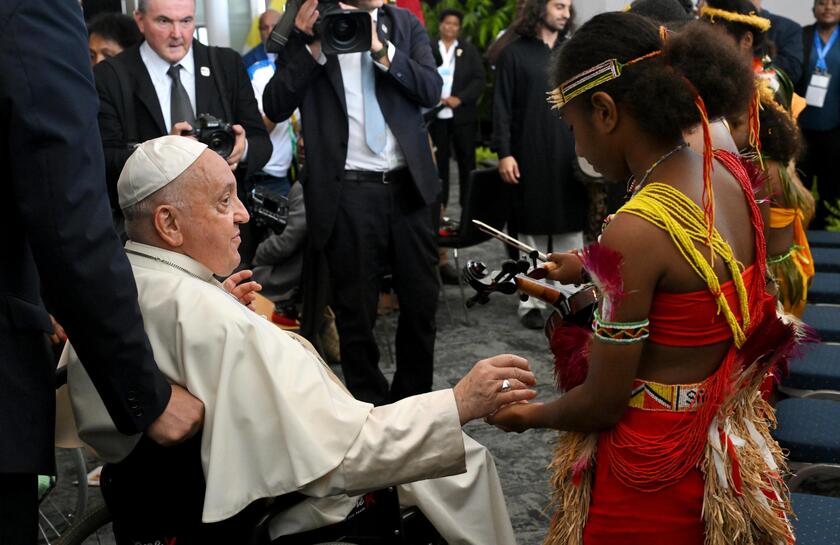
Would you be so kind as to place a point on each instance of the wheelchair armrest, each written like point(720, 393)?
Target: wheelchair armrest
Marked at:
point(271, 508)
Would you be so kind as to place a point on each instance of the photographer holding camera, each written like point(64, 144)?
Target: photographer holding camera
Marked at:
point(170, 84)
point(371, 183)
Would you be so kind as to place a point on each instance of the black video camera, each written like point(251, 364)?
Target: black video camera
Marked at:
point(215, 133)
point(340, 30)
point(269, 209)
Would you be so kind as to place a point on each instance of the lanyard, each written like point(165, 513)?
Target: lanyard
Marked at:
point(822, 51)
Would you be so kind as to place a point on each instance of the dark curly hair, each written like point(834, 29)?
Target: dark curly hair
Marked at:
point(761, 44)
point(659, 92)
point(526, 23)
point(116, 27)
point(780, 137)
point(661, 11)
point(451, 12)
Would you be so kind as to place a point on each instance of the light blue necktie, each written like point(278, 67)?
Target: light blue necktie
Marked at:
point(374, 121)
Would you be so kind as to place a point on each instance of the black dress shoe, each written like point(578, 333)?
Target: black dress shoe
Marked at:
point(449, 274)
point(533, 319)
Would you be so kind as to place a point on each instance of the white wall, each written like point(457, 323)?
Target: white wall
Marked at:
point(798, 10)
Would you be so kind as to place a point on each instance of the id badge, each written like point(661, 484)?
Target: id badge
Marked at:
point(817, 90)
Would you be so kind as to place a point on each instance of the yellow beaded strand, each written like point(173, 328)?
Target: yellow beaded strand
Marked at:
point(673, 212)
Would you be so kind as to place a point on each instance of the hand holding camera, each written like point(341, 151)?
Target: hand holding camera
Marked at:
point(331, 29)
point(225, 139)
point(305, 21)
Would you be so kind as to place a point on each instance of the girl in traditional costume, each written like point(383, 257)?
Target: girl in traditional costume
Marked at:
point(664, 437)
point(749, 30)
point(789, 258)
point(776, 150)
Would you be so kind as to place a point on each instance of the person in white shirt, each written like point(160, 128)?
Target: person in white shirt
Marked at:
point(455, 125)
point(277, 419)
point(275, 174)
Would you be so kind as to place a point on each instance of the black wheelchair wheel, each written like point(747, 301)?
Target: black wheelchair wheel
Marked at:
point(90, 529)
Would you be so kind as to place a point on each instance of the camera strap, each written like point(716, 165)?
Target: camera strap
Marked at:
point(219, 79)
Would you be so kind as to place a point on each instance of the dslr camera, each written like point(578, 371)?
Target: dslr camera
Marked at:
point(214, 133)
point(268, 209)
point(340, 30)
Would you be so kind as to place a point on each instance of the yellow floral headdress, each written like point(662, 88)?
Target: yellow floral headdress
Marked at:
point(753, 20)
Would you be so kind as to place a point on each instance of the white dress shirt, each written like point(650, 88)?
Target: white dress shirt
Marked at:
point(157, 68)
point(447, 73)
point(359, 155)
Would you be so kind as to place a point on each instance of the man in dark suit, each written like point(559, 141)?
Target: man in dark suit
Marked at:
point(160, 86)
point(460, 67)
point(59, 243)
point(370, 185)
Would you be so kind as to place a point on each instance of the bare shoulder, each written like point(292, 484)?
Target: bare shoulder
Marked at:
point(645, 248)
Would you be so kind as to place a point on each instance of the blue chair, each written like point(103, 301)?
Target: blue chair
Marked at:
point(826, 259)
point(825, 319)
point(817, 369)
point(823, 239)
point(818, 519)
point(809, 429)
point(825, 289)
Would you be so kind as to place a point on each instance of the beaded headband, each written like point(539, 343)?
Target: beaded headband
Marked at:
point(752, 19)
point(589, 79)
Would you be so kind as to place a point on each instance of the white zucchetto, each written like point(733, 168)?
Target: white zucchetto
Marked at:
point(153, 165)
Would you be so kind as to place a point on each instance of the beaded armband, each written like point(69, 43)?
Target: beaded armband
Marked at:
point(620, 332)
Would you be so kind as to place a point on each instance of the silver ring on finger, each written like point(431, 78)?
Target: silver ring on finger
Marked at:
point(505, 386)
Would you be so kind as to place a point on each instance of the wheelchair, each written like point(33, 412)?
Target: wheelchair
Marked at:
point(157, 493)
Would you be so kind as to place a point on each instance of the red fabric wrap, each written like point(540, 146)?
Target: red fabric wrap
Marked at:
point(622, 514)
point(692, 319)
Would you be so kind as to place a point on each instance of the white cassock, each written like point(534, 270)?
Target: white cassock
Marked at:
point(278, 420)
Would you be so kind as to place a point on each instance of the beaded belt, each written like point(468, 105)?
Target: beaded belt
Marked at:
point(675, 398)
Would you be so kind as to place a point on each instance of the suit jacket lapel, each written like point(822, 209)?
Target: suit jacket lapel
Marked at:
point(144, 89)
point(203, 79)
point(334, 74)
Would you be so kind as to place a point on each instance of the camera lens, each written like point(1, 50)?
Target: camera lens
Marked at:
point(217, 142)
point(344, 29)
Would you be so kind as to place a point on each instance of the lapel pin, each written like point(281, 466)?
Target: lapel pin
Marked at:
point(458, 52)
point(205, 71)
point(384, 29)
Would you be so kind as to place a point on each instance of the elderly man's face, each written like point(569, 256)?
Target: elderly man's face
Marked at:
point(211, 219)
point(168, 27)
point(267, 22)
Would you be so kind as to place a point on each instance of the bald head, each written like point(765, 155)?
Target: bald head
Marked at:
point(267, 22)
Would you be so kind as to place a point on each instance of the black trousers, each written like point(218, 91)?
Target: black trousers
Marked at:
point(18, 508)
point(446, 135)
point(381, 229)
point(822, 150)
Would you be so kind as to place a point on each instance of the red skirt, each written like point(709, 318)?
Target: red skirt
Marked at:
point(622, 515)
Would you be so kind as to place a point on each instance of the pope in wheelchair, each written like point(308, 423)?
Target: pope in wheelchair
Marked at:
point(277, 420)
